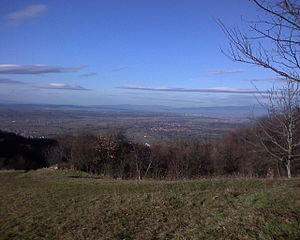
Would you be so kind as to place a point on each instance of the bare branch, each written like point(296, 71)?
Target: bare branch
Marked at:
point(275, 44)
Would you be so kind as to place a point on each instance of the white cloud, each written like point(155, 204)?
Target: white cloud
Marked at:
point(35, 69)
point(219, 72)
point(88, 74)
point(271, 79)
point(26, 13)
point(10, 81)
point(63, 86)
point(204, 90)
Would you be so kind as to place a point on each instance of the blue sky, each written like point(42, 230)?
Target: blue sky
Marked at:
point(103, 52)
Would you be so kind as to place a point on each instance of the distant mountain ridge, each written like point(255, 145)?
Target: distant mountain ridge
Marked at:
point(219, 110)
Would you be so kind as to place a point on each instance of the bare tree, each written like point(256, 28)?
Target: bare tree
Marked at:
point(279, 131)
point(142, 159)
point(272, 41)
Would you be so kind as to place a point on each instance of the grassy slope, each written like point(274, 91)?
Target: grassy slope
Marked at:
point(47, 204)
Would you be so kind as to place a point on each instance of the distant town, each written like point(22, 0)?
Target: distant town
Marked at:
point(47, 121)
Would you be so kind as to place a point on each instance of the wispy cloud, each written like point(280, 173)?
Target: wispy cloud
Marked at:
point(220, 72)
point(117, 69)
point(35, 69)
point(203, 90)
point(88, 74)
point(180, 100)
point(271, 79)
point(26, 13)
point(63, 86)
point(10, 81)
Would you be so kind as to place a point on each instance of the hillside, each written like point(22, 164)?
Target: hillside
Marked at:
point(57, 204)
point(18, 152)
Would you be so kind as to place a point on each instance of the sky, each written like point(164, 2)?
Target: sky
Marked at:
point(111, 52)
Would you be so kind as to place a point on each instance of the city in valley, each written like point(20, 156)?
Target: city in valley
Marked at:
point(143, 124)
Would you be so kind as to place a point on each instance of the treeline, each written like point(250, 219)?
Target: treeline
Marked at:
point(17, 152)
point(243, 152)
point(239, 153)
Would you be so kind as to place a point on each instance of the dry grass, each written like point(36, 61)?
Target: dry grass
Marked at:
point(48, 204)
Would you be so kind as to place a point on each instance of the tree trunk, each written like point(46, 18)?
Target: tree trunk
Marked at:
point(288, 169)
point(278, 170)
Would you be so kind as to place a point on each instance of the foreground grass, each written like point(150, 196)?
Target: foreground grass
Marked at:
point(47, 204)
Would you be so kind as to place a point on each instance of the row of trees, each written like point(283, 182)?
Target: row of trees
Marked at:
point(113, 155)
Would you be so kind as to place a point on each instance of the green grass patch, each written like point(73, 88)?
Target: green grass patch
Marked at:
point(55, 204)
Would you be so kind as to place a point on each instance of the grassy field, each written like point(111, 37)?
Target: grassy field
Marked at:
point(52, 204)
